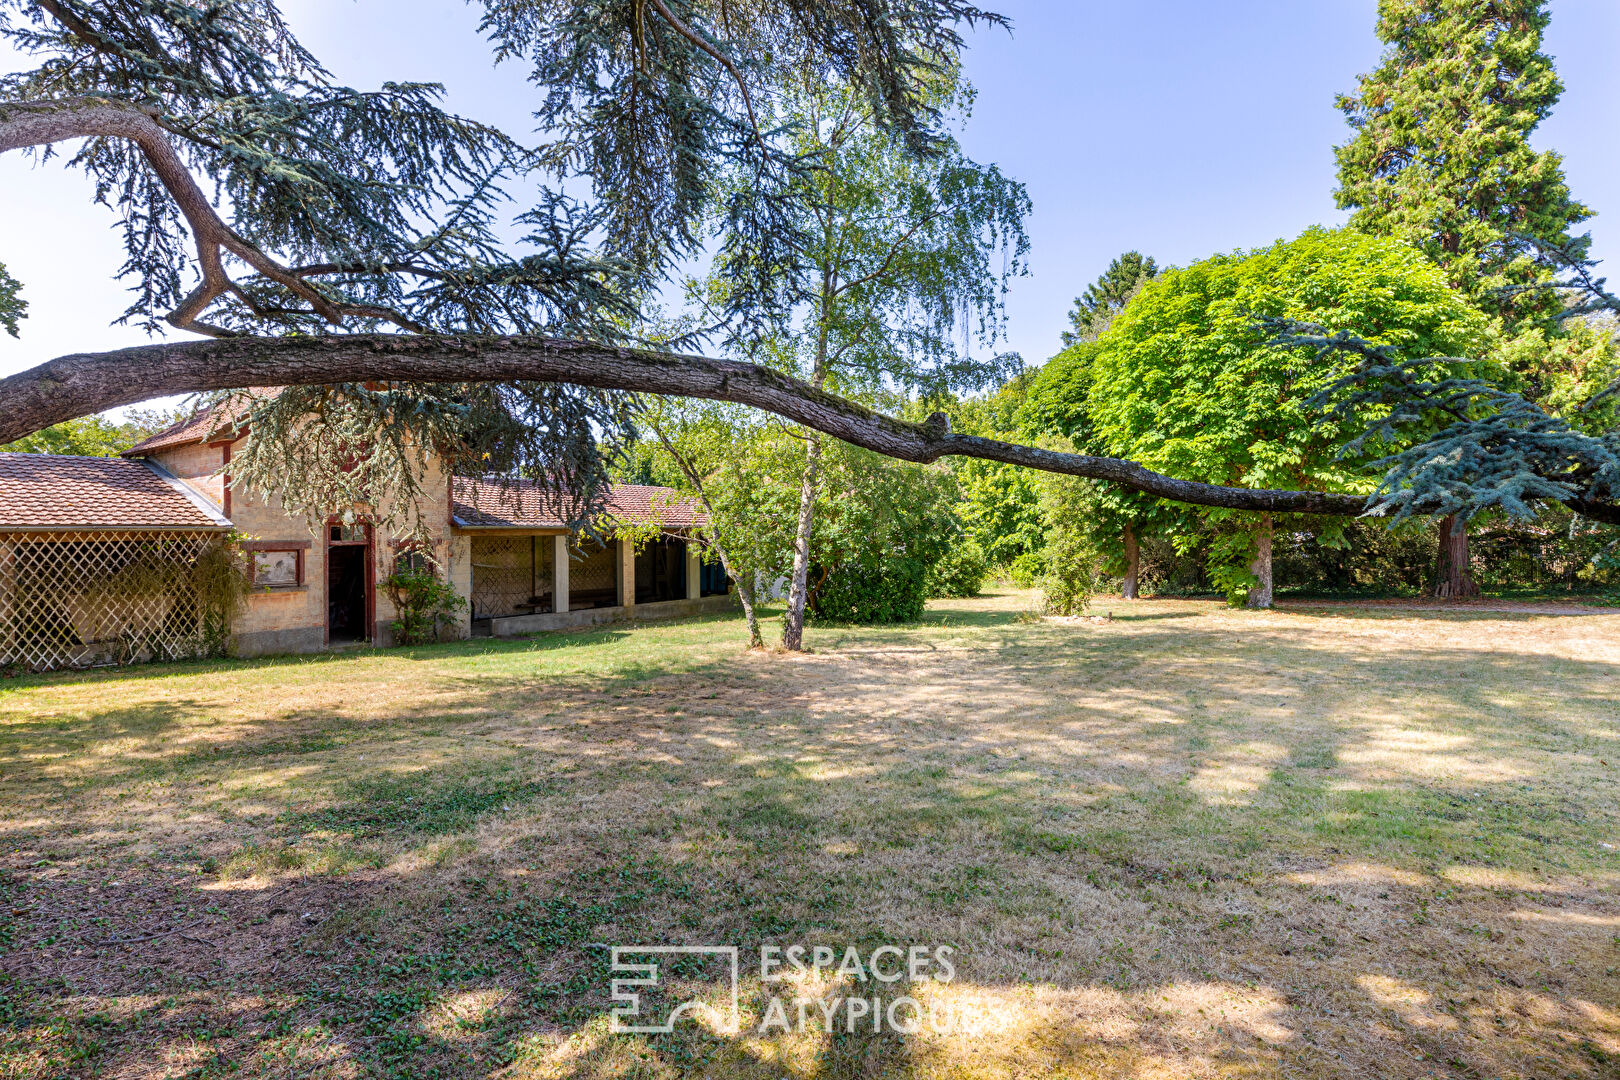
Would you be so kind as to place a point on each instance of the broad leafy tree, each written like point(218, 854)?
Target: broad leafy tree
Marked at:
point(1186, 382)
point(89, 436)
point(346, 243)
point(1000, 503)
point(902, 258)
point(741, 469)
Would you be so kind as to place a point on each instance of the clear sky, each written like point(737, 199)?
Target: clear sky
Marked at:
point(1177, 127)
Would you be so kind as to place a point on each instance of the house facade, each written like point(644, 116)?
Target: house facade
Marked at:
point(505, 551)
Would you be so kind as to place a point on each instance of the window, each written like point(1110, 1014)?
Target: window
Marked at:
point(346, 534)
point(413, 561)
point(278, 569)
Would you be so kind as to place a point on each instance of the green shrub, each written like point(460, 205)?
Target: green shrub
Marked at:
point(881, 528)
point(424, 603)
point(960, 572)
point(1071, 570)
point(1027, 569)
point(874, 591)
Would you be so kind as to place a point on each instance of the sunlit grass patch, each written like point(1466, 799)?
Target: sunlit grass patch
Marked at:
point(1189, 841)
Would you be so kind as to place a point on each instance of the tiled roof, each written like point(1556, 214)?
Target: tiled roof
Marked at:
point(492, 504)
point(50, 491)
point(193, 430)
point(642, 502)
point(206, 423)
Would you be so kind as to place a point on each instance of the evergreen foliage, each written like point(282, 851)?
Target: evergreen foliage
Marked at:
point(352, 210)
point(1107, 296)
point(12, 306)
point(1481, 447)
point(1469, 446)
point(1442, 158)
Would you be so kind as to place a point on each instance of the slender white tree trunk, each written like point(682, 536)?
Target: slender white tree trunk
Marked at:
point(745, 596)
point(798, 588)
point(1133, 561)
point(1260, 595)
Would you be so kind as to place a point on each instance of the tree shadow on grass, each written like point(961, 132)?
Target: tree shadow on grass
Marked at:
point(1156, 847)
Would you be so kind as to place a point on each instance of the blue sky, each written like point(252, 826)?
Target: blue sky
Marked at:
point(1177, 127)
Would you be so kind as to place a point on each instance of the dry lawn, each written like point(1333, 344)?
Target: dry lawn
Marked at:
point(1186, 842)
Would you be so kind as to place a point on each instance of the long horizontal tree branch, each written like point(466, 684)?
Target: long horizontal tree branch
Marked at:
point(80, 384)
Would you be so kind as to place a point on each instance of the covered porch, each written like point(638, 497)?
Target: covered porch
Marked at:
point(529, 573)
point(524, 582)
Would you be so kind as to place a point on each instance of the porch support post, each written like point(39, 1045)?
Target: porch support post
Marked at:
point(559, 574)
point(627, 574)
point(694, 571)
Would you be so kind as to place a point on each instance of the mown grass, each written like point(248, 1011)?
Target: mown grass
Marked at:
point(1186, 842)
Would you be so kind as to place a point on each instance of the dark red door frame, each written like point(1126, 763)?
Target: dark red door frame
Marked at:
point(370, 571)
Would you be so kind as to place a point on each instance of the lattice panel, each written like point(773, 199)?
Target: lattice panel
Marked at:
point(544, 576)
point(87, 599)
point(596, 575)
point(503, 576)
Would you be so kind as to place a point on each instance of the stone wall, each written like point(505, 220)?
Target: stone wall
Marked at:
point(293, 618)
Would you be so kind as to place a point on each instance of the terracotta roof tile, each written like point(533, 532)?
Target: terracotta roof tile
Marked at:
point(492, 504)
point(641, 502)
point(206, 424)
point(193, 430)
point(46, 491)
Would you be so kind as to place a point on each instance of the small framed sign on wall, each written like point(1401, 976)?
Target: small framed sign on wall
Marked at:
point(278, 569)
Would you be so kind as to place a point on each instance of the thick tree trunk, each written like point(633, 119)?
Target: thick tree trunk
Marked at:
point(799, 588)
point(1455, 577)
point(1133, 560)
point(1260, 595)
point(83, 383)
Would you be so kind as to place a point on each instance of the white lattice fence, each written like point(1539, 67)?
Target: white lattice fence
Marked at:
point(82, 599)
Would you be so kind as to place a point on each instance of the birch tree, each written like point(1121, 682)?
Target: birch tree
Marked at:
point(904, 267)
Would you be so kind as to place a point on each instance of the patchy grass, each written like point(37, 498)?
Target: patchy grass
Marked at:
point(1330, 841)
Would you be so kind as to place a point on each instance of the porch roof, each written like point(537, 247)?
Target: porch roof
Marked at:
point(62, 491)
point(495, 504)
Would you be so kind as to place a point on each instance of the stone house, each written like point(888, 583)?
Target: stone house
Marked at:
point(69, 524)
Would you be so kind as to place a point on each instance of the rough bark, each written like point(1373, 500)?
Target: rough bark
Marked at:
point(1133, 560)
point(1455, 576)
point(1260, 596)
point(798, 589)
point(745, 596)
point(80, 384)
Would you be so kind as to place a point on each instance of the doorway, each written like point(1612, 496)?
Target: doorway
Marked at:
point(347, 592)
